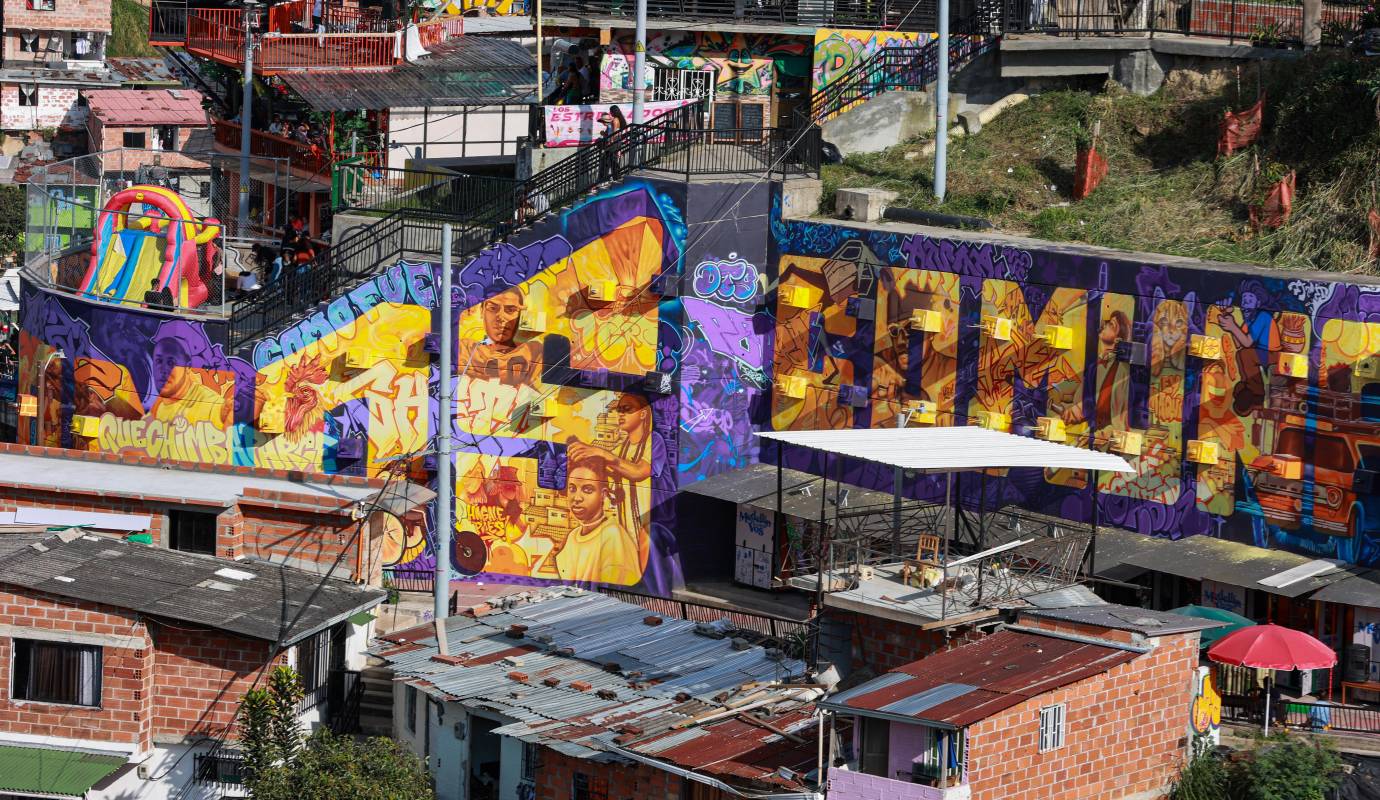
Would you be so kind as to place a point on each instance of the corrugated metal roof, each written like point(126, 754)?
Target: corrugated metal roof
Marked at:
point(974, 681)
point(755, 485)
point(1126, 618)
point(655, 678)
point(1199, 557)
point(950, 449)
point(50, 772)
point(462, 71)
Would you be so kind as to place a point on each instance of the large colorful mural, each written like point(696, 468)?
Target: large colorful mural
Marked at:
point(744, 65)
point(562, 454)
point(837, 50)
point(631, 344)
point(1251, 397)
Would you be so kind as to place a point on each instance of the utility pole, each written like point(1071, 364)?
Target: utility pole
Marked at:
point(941, 111)
point(640, 64)
point(541, 83)
point(251, 9)
point(445, 511)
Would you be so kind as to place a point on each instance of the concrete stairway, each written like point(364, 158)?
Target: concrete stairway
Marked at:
point(376, 706)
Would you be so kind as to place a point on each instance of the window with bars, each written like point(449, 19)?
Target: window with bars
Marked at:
point(317, 655)
point(530, 755)
point(1052, 727)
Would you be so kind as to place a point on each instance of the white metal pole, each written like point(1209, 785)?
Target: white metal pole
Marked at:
point(445, 511)
point(941, 110)
point(541, 83)
point(640, 63)
point(246, 117)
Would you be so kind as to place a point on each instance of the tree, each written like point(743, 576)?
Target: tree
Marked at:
point(278, 766)
point(12, 218)
point(1285, 767)
point(270, 733)
point(331, 767)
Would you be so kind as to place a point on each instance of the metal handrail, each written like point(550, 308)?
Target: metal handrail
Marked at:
point(490, 213)
point(907, 67)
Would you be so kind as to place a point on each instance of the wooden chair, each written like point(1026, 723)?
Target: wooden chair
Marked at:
point(925, 570)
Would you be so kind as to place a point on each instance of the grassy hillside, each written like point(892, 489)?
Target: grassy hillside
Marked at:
point(129, 23)
point(1166, 191)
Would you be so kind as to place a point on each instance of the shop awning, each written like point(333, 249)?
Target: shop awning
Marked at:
point(1122, 555)
point(949, 449)
point(53, 773)
point(755, 486)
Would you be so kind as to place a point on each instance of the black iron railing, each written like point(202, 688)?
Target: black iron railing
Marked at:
point(346, 691)
point(908, 15)
point(907, 67)
point(221, 767)
point(485, 210)
point(1258, 22)
point(1302, 716)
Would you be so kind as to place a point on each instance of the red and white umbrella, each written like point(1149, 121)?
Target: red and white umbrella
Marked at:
point(1272, 647)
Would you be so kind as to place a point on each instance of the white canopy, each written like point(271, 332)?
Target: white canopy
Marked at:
point(950, 449)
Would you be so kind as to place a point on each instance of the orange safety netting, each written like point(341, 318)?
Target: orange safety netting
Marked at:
point(1373, 220)
point(1240, 129)
point(1278, 204)
point(1088, 172)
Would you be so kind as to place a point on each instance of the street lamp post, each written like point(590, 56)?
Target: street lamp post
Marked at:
point(251, 9)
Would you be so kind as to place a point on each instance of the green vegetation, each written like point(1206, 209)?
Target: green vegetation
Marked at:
point(1166, 191)
point(129, 30)
point(280, 765)
point(1281, 767)
point(12, 221)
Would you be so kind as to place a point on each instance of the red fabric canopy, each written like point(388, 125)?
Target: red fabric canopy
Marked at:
point(1272, 647)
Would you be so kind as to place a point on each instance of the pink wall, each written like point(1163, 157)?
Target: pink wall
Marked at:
point(845, 785)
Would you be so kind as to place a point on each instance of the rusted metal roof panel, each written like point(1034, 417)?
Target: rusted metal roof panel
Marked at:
point(961, 686)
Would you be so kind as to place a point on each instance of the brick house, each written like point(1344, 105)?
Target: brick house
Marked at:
point(132, 659)
point(150, 123)
point(53, 50)
point(1066, 704)
point(309, 523)
point(565, 694)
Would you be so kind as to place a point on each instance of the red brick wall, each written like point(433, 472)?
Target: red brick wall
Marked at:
point(67, 15)
point(57, 107)
point(181, 681)
point(201, 676)
point(111, 137)
point(885, 644)
point(308, 531)
point(1126, 734)
point(125, 709)
point(556, 776)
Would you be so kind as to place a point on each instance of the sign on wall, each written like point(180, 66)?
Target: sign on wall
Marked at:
point(1224, 596)
point(755, 540)
point(571, 126)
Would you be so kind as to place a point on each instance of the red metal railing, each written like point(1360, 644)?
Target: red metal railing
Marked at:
point(434, 31)
point(356, 20)
point(305, 157)
point(215, 34)
point(336, 50)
